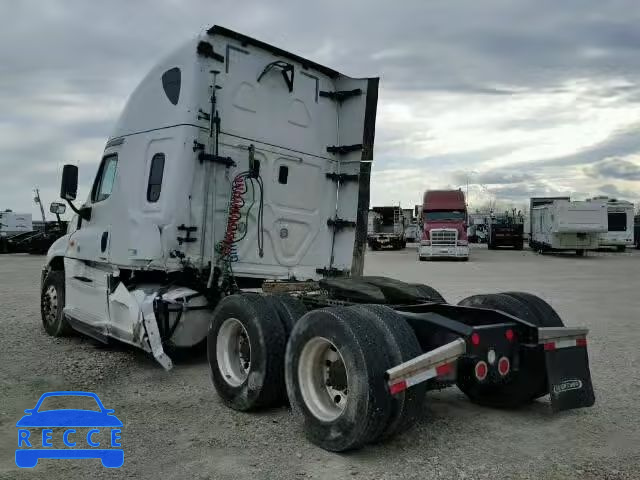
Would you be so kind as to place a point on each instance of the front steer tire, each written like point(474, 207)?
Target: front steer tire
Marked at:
point(334, 369)
point(245, 351)
point(52, 301)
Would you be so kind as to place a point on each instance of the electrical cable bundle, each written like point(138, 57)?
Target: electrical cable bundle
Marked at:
point(228, 247)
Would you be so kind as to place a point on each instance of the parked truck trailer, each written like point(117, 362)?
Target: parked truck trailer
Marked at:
point(386, 228)
point(565, 225)
point(506, 230)
point(196, 203)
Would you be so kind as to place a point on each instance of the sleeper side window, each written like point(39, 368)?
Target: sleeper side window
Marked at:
point(155, 178)
point(283, 174)
point(103, 186)
point(171, 80)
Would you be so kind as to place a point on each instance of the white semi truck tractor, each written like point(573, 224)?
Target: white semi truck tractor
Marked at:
point(230, 207)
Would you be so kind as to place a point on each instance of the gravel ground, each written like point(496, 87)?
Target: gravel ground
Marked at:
point(175, 426)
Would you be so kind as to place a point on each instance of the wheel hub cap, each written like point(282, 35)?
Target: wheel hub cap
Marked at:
point(323, 379)
point(233, 352)
point(50, 304)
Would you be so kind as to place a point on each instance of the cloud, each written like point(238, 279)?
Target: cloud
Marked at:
point(494, 177)
point(616, 168)
point(624, 141)
point(620, 193)
point(535, 96)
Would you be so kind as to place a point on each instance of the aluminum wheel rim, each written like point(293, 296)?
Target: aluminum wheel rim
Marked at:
point(51, 305)
point(233, 352)
point(324, 389)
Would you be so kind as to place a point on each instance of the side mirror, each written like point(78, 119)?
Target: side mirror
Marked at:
point(57, 208)
point(69, 184)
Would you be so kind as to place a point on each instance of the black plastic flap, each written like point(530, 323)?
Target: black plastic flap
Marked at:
point(569, 378)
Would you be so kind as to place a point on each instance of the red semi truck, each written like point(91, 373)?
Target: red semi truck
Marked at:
point(444, 234)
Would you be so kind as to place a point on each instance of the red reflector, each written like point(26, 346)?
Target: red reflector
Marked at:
point(475, 339)
point(481, 370)
point(443, 369)
point(550, 346)
point(398, 387)
point(510, 335)
point(503, 366)
point(581, 342)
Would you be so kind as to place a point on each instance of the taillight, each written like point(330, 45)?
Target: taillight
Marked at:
point(475, 339)
point(509, 335)
point(481, 370)
point(504, 366)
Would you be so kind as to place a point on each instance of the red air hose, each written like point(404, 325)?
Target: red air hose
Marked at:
point(238, 189)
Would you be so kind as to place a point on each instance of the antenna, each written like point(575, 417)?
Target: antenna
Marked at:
point(39, 202)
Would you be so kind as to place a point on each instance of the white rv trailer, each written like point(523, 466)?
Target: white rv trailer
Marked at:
point(237, 165)
point(11, 223)
point(619, 232)
point(567, 225)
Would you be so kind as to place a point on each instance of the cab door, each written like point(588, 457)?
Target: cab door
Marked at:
point(86, 267)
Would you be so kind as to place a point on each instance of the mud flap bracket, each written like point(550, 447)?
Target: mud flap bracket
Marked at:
point(436, 363)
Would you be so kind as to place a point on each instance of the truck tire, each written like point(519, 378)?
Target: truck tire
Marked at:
point(519, 246)
point(402, 345)
point(621, 248)
point(334, 369)
point(580, 252)
point(428, 292)
point(545, 315)
point(289, 310)
point(523, 385)
point(52, 301)
point(245, 352)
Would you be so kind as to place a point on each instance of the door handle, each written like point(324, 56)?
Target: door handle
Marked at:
point(83, 279)
point(103, 241)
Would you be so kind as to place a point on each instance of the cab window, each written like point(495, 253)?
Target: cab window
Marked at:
point(156, 173)
point(106, 177)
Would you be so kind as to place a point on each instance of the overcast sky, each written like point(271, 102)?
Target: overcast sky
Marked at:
point(518, 98)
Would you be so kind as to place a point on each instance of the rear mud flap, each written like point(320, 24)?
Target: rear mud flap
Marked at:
point(569, 378)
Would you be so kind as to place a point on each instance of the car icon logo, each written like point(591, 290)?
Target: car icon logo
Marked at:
point(69, 433)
